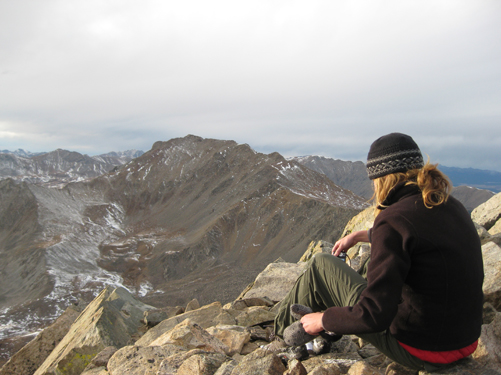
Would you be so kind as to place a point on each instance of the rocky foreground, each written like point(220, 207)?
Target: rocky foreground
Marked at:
point(117, 335)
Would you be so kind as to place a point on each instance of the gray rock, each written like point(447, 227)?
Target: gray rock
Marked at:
point(483, 234)
point(488, 213)
point(96, 371)
point(155, 316)
point(242, 304)
point(295, 367)
point(190, 335)
point(254, 315)
point(234, 337)
point(325, 370)
point(192, 305)
point(316, 247)
point(171, 364)
point(102, 358)
point(226, 368)
point(491, 253)
point(260, 362)
point(496, 228)
point(205, 316)
point(202, 364)
point(32, 355)
point(109, 320)
point(276, 280)
point(137, 360)
point(489, 348)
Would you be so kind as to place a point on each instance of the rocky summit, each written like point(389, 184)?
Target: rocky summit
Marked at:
point(192, 218)
point(117, 335)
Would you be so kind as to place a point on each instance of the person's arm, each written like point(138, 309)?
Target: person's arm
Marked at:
point(350, 240)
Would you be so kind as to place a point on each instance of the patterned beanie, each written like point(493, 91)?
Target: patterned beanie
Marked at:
point(393, 153)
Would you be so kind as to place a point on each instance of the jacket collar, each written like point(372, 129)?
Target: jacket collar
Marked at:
point(399, 192)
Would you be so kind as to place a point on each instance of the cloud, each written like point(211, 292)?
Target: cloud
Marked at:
point(306, 77)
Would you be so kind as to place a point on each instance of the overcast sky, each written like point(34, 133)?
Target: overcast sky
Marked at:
point(297, 77)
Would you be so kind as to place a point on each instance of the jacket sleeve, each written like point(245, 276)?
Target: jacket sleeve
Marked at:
point(387, 270)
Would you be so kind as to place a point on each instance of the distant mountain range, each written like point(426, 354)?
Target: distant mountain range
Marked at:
point(348, 174)
point(59, 167)
point(479, 178)
point(130, 154)
point(191, 218)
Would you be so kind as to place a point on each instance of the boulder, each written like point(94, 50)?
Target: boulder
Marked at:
point(234, 337)
point(489, 345)
point(226, 368)
point(340, 362)
point(102, 358)
point(139, 360)
point(155, 316)
point(173, 363)
point(260, 362)
point(202, 364)
point(316, 247)
point(397, 369)
point(276, 280)
point(190, 335)
point(325, 370)
point(192, 305)
point(254, 315)
point(206, 316)
point(491, 253)
point(362, 221)
point(295, 367)
point(260, 333)
point(496, 228)
point(109, 320)
point(96, 371)
point(488, 213)
point(483, 234)
point(32, 355)
point(242, 304)
point(363, 368)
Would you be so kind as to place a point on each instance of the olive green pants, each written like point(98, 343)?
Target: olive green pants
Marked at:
point(328, 282)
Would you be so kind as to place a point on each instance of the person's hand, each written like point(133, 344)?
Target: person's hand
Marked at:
point(312, 323)
point(344, 244)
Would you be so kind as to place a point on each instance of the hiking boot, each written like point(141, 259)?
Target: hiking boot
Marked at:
point(294, 352)
point(298, 311)
point(295, 335)
point(322, 344)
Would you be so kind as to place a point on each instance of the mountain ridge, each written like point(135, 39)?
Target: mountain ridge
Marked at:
point(59, 167)
point(191, 217)
point(478, 178)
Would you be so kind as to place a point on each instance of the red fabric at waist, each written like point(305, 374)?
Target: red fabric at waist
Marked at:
point(441, 357)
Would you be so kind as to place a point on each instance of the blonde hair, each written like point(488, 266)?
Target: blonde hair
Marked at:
point(434, 185)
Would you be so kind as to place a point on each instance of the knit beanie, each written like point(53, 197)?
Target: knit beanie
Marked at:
point(393, 153)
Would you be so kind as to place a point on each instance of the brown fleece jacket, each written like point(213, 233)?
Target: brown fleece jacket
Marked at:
point(424, 280)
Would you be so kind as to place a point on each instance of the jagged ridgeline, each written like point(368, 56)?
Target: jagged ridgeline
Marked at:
point(191, 218)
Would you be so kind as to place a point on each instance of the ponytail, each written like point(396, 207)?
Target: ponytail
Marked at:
point(434, 185)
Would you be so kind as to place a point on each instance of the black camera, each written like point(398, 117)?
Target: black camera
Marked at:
point(342, 256)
